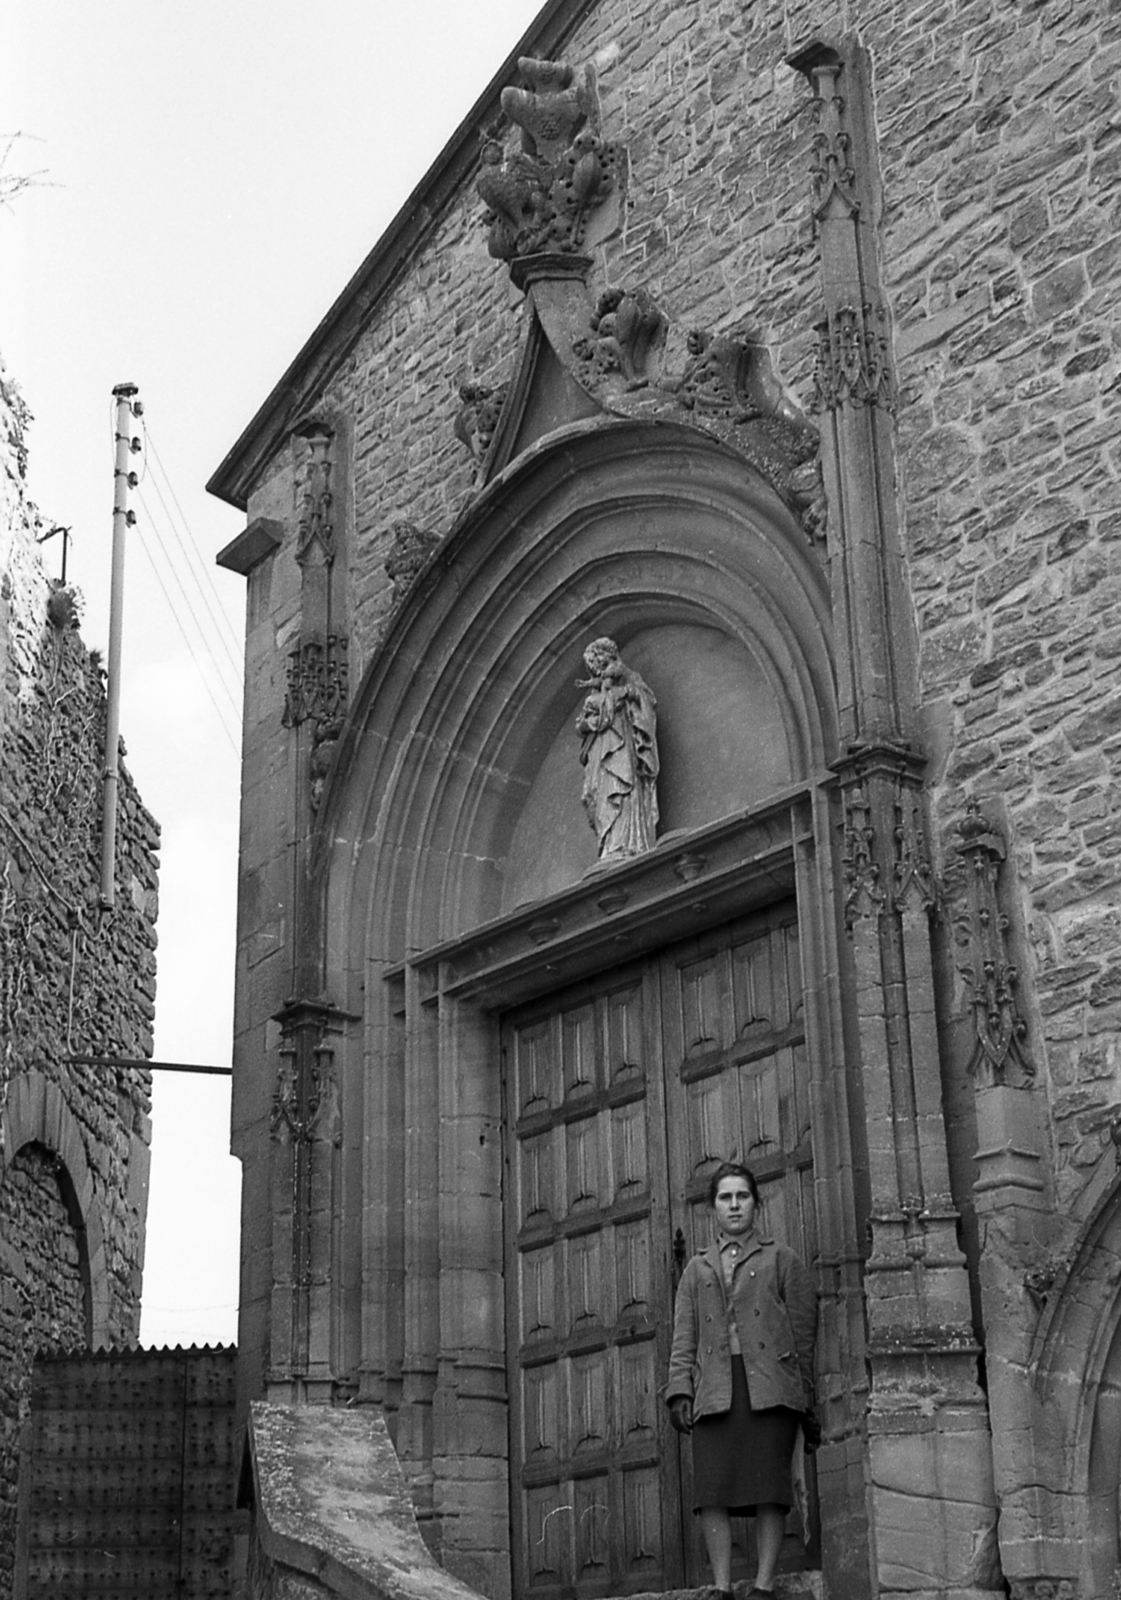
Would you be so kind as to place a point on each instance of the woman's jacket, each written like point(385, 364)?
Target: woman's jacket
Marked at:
point(776, 1315)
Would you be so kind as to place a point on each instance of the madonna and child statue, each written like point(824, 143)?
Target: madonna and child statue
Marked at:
point(617, 725)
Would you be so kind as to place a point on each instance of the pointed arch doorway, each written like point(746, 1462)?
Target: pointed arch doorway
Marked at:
point(463, 911)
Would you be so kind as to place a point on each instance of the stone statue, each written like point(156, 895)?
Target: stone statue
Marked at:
point(617, 725)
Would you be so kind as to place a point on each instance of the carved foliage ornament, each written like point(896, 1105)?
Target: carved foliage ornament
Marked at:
point(1000, 1029)
point(541, 195)
point(479, 411)
point(408, 552)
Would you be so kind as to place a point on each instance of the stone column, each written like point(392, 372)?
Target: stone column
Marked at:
point(931, 1501)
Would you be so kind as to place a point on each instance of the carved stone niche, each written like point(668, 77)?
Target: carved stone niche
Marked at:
point(559, 188)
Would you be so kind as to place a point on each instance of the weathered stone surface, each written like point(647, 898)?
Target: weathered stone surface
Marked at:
point(73, 1147)
point(330, 1504)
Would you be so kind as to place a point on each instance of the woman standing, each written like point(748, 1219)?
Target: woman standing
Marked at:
point(741, 1374)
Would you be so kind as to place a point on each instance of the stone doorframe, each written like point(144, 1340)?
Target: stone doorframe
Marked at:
point(1064, 1527)
point(607, 527)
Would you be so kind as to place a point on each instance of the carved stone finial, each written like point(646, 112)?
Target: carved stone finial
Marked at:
point(617, 724)
point(540, 197)
point(982, 930)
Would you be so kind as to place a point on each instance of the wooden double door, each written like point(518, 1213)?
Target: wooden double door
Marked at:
point(622, 1095)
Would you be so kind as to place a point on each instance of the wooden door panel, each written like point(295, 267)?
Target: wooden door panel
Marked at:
point(587, 1324)
point(624, 1095)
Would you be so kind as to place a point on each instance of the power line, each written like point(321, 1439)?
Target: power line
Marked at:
point(215, 610)
point(186, 640)
point(189, 604)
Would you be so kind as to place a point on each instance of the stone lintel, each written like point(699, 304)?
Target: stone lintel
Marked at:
point(249, 549)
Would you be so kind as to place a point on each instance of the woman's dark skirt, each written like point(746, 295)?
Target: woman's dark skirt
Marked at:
point(741, 1458)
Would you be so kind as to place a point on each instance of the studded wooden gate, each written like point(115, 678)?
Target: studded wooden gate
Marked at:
point(622, 1095)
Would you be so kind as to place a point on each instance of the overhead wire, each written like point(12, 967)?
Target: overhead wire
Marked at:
point(198, 566)
point(220, 669)
point(222, 715)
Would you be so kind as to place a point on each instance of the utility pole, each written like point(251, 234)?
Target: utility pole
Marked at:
point(124, 479)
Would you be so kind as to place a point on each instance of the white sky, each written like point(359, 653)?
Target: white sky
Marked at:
point(217, 171)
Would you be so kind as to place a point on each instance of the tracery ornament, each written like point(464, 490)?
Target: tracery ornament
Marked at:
point(832, 174)
point(863, 892)
point(315, 530)
point(317, 686)
point(913, 878)
point(851, 362)
point(541, 195)
point(617, 724)
point(1000, 1053)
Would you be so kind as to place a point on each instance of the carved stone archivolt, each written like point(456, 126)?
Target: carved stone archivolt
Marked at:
point(542, 195)
point(1000, 1053)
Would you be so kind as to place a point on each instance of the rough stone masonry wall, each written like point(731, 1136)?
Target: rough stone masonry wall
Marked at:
point(72, 980)
point(999, 154)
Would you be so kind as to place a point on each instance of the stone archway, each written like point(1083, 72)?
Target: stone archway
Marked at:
point(1077, 1372)
point(444, 778)
point(36, 1113)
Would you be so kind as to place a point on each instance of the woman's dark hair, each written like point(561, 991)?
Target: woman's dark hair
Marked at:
point(732, 1169)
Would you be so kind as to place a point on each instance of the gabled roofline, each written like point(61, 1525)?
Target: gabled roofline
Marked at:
point(340, 329)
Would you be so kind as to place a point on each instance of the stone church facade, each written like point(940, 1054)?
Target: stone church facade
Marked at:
point(777, 344)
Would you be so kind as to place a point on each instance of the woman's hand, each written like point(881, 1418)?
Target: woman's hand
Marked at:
point(681, 1413)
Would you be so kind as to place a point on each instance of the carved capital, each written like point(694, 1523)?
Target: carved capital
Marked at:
point(1000, 1055)
point(315, 532)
